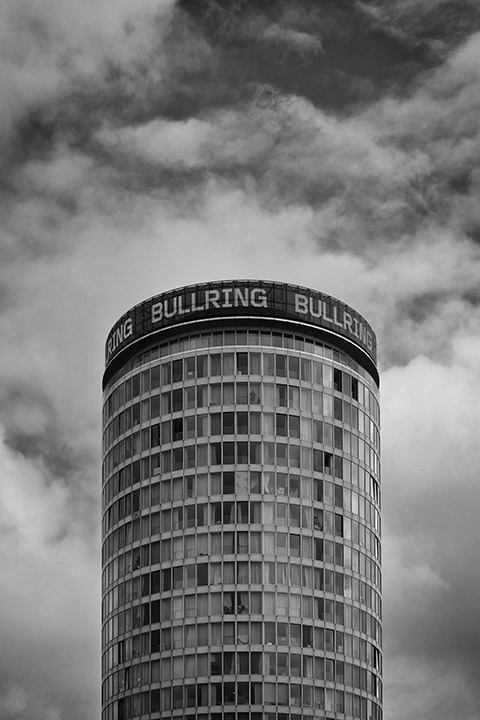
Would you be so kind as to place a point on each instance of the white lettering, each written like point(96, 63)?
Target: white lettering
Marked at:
point(347, 321)
point(325, 312)
point(335, 317)
point(262, 300)
point(301, 304)
point(315, 312)
point(240, 299)
point(127, 328)
point(121, 333)
point(211, 298)
point(169, 314)
point(157, 312)
point(363, 334)
point(194, 307)
point(226, 297)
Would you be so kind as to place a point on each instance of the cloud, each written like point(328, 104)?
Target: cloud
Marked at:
point(54, 51)
point(436, 22)
point(302, 42)
point(44, 652)
point(151, 145)
point(434, 691)
point(431, 534)
point(382, 175)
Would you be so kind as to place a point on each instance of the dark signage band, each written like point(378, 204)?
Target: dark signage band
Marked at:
point(251, 297)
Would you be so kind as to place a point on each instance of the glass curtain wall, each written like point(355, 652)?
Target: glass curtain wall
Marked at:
point(241, 524)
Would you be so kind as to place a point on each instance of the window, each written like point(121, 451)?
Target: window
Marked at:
point(228, 453)
point(189, 368)
point(191, 690)
point(202, 396)
point(255, 363)
point(178, 458)
point(202, 574)
point(202, 425)
point(177, 578)
point(354, 388)
point(190, 608)
point(228, 483)
point(282, 633)
point(255, 395)
point(317, 402)
point(294, 547)
point(337, 409)
point(155, 377)
point(228, 393)
point(306, 368)
point(242, 363)
point(254, 423)
point(177, 400)
point(337, 379)
point(338, 437)
point(189, 429)
point(281, 424)
point(190, 398)
point(280, 365)
point(282, 664)
point(293, 368)
point(282, 454)
point(201, 366)
point(177, 371)
point(242, 423)
point(242, 394)
point(282, 694)
point(177, 429)
point(242, 452)
point(228, 424)
point(280, 395)
point(294, 426)
point(305, 399)
point(294, 397)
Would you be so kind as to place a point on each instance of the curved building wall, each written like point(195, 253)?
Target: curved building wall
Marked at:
point(241, 524)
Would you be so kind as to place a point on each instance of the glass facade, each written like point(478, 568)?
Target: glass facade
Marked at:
point(241, 529)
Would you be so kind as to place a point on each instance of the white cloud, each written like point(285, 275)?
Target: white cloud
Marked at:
point(47, 595)
point(355, 205)
point(430, 498)
point(51, 46)
point(34, 508)
point(298, 40)
point(169, 143)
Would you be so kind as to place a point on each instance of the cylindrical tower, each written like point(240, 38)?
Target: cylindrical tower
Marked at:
point(241, 508)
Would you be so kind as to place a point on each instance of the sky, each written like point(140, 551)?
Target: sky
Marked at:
point(330, 143)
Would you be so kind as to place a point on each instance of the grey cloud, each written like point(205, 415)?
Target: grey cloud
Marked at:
point(359, 58)
point(430, 499)
point(440, 23)
point(385, 172)
point(329, 144)
point(47, 594)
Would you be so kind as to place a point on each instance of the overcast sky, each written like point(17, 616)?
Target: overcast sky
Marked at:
point(150, 144)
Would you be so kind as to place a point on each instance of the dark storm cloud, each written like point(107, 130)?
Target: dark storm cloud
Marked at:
point(147, 145)
point(442, 24)
point(234, 66)
point(330, 52)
